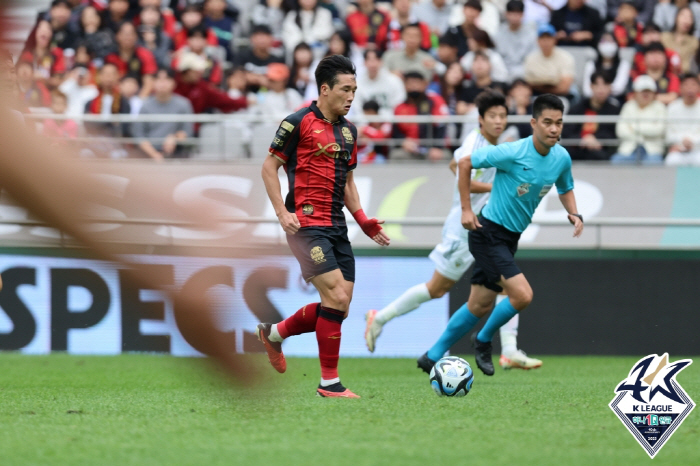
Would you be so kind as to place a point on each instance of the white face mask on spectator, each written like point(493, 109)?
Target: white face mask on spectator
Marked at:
point(607, 49)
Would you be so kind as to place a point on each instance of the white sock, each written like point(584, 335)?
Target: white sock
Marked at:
point(325, 383)
point(408, 301)
point(509, 334)
point(274, 334)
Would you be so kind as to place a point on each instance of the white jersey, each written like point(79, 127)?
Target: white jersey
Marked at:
point(453, 224)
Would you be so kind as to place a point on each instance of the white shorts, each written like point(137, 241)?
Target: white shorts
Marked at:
point(452, 258)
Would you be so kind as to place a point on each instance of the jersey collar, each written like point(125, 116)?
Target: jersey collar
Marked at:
point(319, 115)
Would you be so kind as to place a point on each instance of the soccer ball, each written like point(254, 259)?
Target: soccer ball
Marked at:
point(451, 376)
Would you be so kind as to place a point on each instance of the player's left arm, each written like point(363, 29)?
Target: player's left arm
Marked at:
point(370, 226)
point(565, 187)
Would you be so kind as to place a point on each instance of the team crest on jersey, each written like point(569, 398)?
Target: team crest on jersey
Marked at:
point(523, 189)
point(545, 189)
point(317, 255)
point(347, 135)
point(651, 403)
point(307, 209)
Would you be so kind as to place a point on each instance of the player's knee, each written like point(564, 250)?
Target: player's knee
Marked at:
point(437, 291)
point(522, 299)
point(339, 298)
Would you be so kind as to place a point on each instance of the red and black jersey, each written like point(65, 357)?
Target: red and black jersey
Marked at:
point(141, 63)
point(364, 27)
point(317, 156)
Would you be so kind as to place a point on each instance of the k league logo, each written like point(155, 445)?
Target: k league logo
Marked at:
point(651, 403)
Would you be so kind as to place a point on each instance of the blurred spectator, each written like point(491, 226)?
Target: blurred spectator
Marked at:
point(116, 13)
point(64, 33)
point(78, 90)
point(368, 151)
point(539, 12)
point(681, 38)
point(236, 84)
point(481, 42)
point(458, 35)
point(197, 44)
point(32, 93)
point(591, 133)
point(377, 84)
point(132, 59)
point(645, 9)
point(665, 13)
point(627, 29)
point(258, 56)
point(157, 42)
point(109, 101)
point(489, 17)
point(683, 133)
point(309, 23)
point(191, 18)
point(642, 125)
point(339, 44)
point(652, 34)
point(608, 63)
point(365, 23)
point(300, 75)
point(223, 26)
point(129, 88)
point(447, 52)
point(549, 68)
point(413, 135)
point(59, 129)
point(268, 13)
point(166, 22)
point(655, 63)
point(481, 79)
point(411, 57)
point(160, 140)
point(202, 95)
point(99, 42)
point(577, 24)
point(278, 100)
point(452, 89)
point(48, 61)
point(389, 36)
point(76, 8)
point(435, 13)
point(515, 41)
point(520, 104)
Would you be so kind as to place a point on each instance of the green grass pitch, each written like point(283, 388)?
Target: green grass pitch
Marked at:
point(159, 410)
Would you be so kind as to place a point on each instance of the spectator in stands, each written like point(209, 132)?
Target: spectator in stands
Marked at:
point(48, 61)
point(413, 135)
point(339, 44)
point(369, 151)
point(167, 22)
point(577, 24)
point(365, 23)
point(64, 33)
point(549, 69)
point(655, 63)
point(132, 59)
point(300, 76)
point(61, 130)
point(236, 85)
point(197, 44)
point(452, 89)
point(435, 13)
point(191, 18)
point(215, 18)
point(481, 42)
point(642, 125)
point(481, 79)
point(682, 39)
point(591, 133)
point(157, 42)
point(447, 52)
point(109, 101)
point(520, 104)
point(99, 41)
point(309, 23)
point(78, 90)
point(411, 57)
point(278, 100)
point(377, 84)
point(665, 13)
point(645, 9)
point(202, 95)
point(608, 63)
point(76, 8)
point(683, 133)
point(160, 140)
point(258, 56)
point(129, 88)
point(32, 93)
point(458, 35)
point(515, 41)
point(116, 13)
point(268, 13)
point(652, 34)
point(389, 36)
point(627, 29)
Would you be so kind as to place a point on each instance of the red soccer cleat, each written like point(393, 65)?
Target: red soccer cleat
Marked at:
point(335, 391)
point(273, 348)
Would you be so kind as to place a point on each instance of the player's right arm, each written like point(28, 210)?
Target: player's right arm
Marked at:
point(469, 220)
point(288, 220)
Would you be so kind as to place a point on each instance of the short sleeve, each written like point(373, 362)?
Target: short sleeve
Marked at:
point(500, 157)
point(565, 182)
point(283, 146)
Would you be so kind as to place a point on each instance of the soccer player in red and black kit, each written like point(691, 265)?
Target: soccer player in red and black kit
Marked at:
point(318, 148)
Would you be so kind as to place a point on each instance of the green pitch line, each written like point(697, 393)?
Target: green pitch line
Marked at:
point(152, 410)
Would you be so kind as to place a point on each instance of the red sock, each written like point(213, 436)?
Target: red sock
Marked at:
point(328, 337)
point(302, 321)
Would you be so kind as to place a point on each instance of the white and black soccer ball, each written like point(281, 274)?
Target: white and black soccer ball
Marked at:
point(451, 376)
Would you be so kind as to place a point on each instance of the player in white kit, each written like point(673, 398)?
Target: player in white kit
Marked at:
point(452, 257)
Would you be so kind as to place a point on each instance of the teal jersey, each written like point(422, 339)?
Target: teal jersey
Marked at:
point(523, 178)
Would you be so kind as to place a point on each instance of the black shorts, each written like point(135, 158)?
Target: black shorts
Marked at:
point(323, 249)
point(493, 247)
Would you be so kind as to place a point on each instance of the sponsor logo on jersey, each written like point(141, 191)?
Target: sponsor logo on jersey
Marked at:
point(523, 189)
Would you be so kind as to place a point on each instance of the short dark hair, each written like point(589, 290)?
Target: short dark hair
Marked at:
point(599, 74)
point(371, 105)
point(198, 30)
point(476, 4)
point(411, 25)
point(655, 47)
point(65, 3)
point(692, 76)
point(377, 52)
point(261, 29)
point(489, 99)
point(515, 5)
point(482, 54)
point(413, 75)
point(330, 67)
point(168, 72)
point(546, 102)
point(651, 27)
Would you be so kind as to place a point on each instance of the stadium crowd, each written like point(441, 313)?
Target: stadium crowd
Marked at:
point(632, 58)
